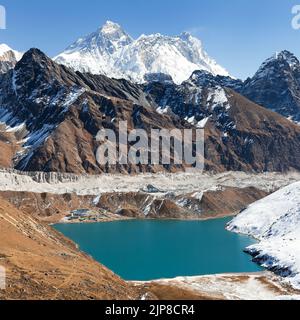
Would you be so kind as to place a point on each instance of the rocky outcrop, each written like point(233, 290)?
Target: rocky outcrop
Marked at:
point(198, 205)
point(222, 287)
point(47, 206)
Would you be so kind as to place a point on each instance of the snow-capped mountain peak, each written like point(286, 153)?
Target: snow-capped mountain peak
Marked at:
point(4, 48)
point(285, 54)
point(107, 39)
point(8, 57)
point(111, 51)
point(280, 60)
point(288, 57)
point(276, 85)
point(110, 28)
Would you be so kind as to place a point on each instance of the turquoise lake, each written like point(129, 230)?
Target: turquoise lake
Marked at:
point(153, 249)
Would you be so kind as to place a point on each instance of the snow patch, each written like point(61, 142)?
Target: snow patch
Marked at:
point(275, 221)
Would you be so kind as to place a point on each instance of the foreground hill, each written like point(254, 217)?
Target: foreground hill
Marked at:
point(41, 264)
point(275, 221)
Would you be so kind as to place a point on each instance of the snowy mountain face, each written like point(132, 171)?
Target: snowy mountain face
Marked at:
point(94, 53)
point(275, 222)
point(276, 85)
point(8, 58)
point(112, 52)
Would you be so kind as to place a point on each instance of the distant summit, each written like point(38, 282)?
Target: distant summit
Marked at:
point(8, 58)
point(112, 52)
point(276, 85)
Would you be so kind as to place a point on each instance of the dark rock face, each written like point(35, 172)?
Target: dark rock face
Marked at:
point(276, 85)
point(240, 135)
point(58, 113)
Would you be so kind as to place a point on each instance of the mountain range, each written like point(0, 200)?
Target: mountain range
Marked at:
point(112, 52)
point(50, 111)
point(50, 116)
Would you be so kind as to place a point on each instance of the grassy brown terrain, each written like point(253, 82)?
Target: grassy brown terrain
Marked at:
point(42, 264)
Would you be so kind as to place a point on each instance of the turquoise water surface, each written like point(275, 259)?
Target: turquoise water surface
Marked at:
point(153, 249)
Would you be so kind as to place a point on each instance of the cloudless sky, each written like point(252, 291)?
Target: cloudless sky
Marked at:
point(239, 34)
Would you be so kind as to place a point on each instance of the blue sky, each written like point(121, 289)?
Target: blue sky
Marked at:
point(239, 34)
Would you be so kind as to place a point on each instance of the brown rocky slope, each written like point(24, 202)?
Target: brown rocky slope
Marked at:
point(42, 264)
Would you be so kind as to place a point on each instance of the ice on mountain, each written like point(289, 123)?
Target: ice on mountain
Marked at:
point(112, 52)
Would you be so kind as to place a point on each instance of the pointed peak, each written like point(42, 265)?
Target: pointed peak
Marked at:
point(201, 73)
point(110, 27)
point(202, 78)
point(285, 56)
point(34, 52)
point(34, 55)
point(4, 48)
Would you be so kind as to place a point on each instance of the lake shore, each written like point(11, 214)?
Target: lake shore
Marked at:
point(239, 286)
point(212, 192)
